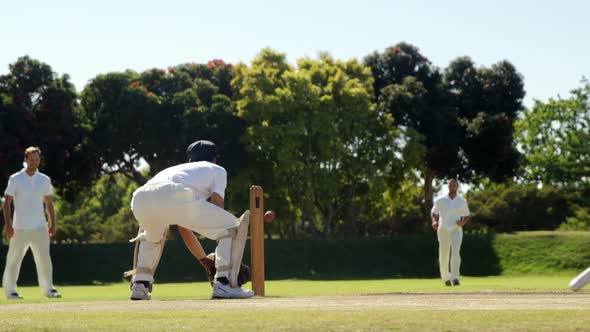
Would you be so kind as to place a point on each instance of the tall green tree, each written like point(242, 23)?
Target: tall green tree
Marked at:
point(316, 138)
point(154, 115)
point(39, 108)
point(554, 137)
point(463, 117)
point(411, 89)
point(488, 102)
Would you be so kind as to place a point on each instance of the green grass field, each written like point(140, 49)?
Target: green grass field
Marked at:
point(291, 288)
point(505, 303)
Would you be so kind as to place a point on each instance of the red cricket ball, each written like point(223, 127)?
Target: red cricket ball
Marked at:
point(269, 216)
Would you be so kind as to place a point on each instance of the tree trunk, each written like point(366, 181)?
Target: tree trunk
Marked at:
point(428, 194)
point(307, 217)
point(351, 209)
point(329, 222)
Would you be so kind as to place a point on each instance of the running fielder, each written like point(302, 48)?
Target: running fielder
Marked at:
point(178, 196)
point(449, 214)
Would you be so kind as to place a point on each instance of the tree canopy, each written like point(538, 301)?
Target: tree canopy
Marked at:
point(341, 147)
point(315, 139)
point(39, 108)
point(154, 115)
point(463, 116)
point(554, 137)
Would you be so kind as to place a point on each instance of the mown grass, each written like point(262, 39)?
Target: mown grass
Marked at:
point(530, 261)
point(289, 288)
point(545, 252)
point(85, 318)
point(298, 320)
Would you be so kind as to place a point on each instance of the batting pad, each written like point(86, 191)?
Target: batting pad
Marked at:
point(237, 248)
point(146, 258)
point(580, 280)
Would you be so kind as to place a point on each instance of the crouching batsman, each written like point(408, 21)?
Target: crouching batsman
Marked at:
point(191, 196)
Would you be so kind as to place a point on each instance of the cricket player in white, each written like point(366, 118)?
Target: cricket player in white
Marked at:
point(580, 280)
point(28, 190)
point(178, 196)
point(449, 214)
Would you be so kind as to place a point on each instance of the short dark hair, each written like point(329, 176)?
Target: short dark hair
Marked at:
point(202, 151)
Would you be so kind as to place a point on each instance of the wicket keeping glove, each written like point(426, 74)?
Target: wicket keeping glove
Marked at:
point(244, 275)
point(208, 263)
point(209, 266)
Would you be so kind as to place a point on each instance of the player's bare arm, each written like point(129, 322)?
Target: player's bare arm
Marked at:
point(51, 213)
point(194, 246)
point(434, 217)
point(217, 200)
point(192, 243)
point(464, 220)
point(8, 230)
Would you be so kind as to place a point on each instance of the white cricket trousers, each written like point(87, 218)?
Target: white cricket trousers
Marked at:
point(158, 205)
point(38, 240)
point(449, 246)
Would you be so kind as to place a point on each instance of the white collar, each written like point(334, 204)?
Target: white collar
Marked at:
point(452, 199)
point(24, 171)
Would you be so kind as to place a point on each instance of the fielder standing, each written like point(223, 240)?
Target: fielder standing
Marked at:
point(178, 196)
point(28, 190)
point(449, 214)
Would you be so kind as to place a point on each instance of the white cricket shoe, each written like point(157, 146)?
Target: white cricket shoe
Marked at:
point(140, 292)
point(53, 294)
point(221, 291)
point(14, 296)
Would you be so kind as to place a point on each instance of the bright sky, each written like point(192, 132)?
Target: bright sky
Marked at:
point(547, 41)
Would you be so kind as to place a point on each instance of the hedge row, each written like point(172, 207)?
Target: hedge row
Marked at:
point(407, 256)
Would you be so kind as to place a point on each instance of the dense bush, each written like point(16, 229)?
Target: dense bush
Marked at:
point(508, 208)
point(100, 214)
point(579, 222)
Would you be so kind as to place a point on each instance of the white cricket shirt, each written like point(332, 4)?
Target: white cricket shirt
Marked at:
point(450, 210)
point(203, 177)
point(28, 192)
